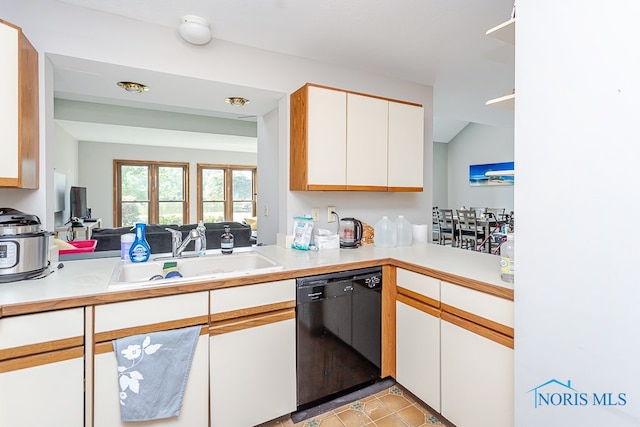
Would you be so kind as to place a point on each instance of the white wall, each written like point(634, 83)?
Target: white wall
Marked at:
point(69, 30)
point(479, 144)
point(576, 151)
point(96, 170)
point(440, 175)
point(65, 162)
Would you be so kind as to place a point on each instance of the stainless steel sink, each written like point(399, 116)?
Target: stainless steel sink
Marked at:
point(213, 266)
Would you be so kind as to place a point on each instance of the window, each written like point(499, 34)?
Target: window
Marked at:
point(151, 192)
point(226, 193)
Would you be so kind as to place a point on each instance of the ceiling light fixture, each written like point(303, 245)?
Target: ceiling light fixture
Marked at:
point(236, 101)
point(195, 29)
point(133, 87)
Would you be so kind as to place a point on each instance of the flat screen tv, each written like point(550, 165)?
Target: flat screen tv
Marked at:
point(78, 202)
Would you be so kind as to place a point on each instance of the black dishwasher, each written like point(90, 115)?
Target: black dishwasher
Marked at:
point(338, 333)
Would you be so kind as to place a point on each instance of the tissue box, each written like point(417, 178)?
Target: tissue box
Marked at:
point(331, 241)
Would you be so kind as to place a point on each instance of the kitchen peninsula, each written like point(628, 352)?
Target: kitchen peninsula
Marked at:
point(459, 312)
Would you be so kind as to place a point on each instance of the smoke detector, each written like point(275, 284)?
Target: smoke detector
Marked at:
point(195, 30)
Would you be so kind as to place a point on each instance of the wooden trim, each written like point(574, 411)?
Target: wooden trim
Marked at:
point(389, 294)
point(323, 187)
point(298, 135)
point(252, 321)
point(478, 330)
point(145, 329)
point(419, 297)
point(377, 188)
point(41, 359)
point(251, 311)
point(405, 189)
point(31, 349)
point(490, 324)
point(418, 305)
point(107, 346)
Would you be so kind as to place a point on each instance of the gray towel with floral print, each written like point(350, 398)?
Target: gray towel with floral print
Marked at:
point(152, 372)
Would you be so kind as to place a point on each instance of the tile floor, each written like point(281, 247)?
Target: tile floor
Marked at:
point(392, 407)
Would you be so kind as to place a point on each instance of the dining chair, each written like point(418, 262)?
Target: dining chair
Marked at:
point(435, 225)
point(470, 233)
point(447, 227)
point(498, 213)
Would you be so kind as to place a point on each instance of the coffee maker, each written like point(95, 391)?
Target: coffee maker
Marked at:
point(350, 233)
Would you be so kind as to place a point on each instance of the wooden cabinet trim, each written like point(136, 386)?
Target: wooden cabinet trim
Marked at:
point(418, 297)
point(33, 349)
point(389, 295)
point(41, 359)
point(107, 346)
point(251, 311)
point(478, 329)
point(251, 321)
point(486, 323)
point(144, 329)
point(418, 305)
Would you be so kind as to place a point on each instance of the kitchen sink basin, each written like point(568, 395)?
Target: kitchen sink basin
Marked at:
point(213, 266)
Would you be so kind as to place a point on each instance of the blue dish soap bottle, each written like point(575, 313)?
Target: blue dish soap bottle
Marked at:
point(140, 250)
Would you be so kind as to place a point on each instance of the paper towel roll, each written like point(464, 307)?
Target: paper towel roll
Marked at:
point(421, 233)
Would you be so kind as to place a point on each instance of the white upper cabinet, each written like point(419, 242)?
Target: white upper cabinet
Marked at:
point(342, 140)
point(367, 129)
point(18, 109)
point(406, 147)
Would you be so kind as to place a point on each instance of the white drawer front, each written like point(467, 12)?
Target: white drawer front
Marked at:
point(240, 297)
point(41, 327)
point(484, 305)
point(129, 314)
point(424, 285)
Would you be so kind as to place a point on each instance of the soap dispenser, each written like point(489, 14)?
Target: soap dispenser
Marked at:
point(140, 250)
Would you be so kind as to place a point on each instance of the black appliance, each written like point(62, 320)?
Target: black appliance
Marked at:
point(338, 327)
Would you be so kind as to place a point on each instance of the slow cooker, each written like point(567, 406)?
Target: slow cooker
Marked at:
point(24, 246)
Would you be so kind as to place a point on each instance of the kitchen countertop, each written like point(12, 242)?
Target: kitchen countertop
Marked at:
point(86, 281)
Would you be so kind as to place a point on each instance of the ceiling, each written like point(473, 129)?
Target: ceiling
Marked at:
point(434, 42)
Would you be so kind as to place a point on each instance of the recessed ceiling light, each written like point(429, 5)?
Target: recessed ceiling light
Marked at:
point(236, 101)
point(133, 87)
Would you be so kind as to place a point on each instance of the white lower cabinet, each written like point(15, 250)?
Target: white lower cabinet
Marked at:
point(253, 376)
point(252, 353)
point(418, 353)
point(139, 317)
point(477, 379)
point(42, 369)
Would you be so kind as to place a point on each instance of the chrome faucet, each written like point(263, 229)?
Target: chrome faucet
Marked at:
point(177, 244)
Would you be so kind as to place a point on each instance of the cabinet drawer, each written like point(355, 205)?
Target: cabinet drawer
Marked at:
point(424, 285)
point(31, 329)
point(242, 297)
point(129, 314)
point(490, 307)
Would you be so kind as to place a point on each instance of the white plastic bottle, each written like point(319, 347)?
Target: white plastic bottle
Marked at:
point(507, 261)
point(201, 243)
point(405, 231)
point(385, 233)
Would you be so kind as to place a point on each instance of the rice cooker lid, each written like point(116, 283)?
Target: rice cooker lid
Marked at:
point(13, 222)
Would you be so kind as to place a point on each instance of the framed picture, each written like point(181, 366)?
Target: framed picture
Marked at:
point(491, 174)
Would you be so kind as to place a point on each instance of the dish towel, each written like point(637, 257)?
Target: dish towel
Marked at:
point(152, 372)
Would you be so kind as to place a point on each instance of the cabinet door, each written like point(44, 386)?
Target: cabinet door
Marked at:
point(195, 402)
point(406, 146)
point(367, 127)
point(44, 393)
point(418, 353)
point(18, 109)
point(253, 373)
point(477, 379)
point(327, 133)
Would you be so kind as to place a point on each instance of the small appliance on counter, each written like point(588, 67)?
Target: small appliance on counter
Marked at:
point(24, 246)
point(350, 233)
